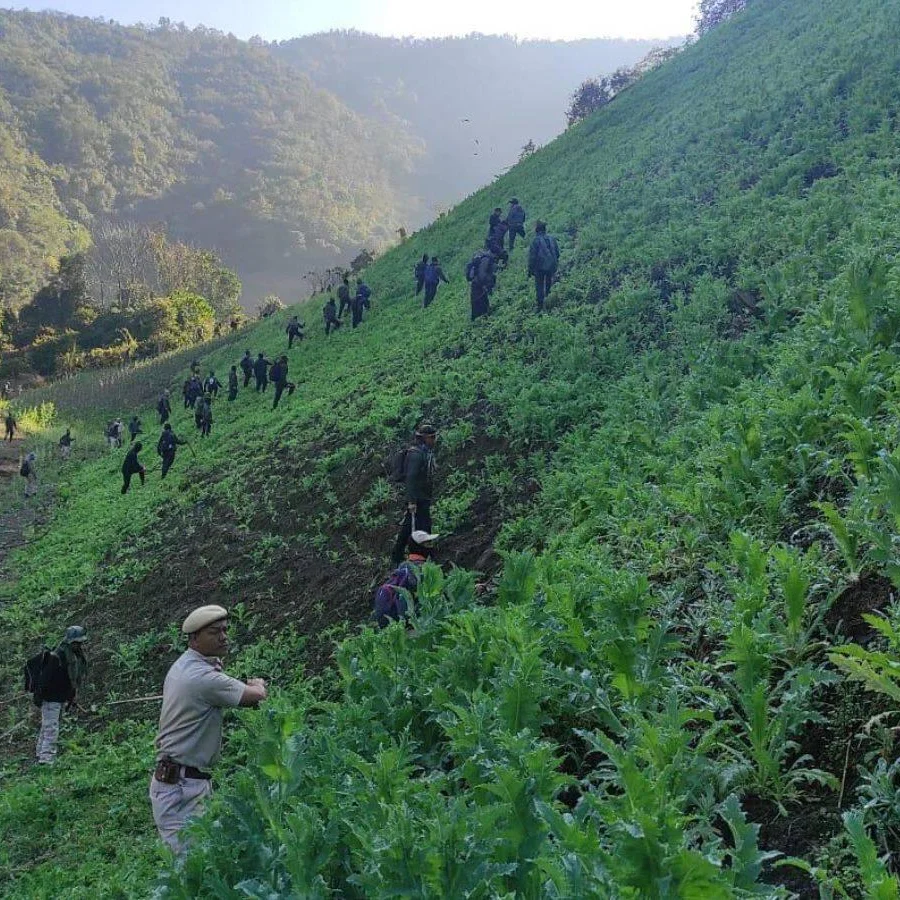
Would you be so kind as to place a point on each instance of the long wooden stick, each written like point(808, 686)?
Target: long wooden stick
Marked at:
point(135, 700)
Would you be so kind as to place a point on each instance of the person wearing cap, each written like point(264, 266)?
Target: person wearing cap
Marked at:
point(246, 365)
point(418, 474)
point(195, 694)
point(390, 600)
point(515, 218)
point(61, 679)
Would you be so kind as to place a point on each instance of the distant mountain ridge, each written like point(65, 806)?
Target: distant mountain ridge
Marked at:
point(473, 102)
point(283, 158)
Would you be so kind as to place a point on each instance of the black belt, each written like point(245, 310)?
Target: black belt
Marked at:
point(191, 772)
point(168, 772)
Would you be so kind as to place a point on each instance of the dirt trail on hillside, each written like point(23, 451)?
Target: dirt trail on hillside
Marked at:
point(18, 519)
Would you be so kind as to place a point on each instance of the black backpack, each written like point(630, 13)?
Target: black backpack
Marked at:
point(35, 671)
point(396, 465)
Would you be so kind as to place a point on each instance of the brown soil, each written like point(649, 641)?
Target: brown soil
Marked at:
point(870, 594)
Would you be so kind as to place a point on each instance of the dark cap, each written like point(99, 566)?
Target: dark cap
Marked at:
point(514, 200)
point(426, 430)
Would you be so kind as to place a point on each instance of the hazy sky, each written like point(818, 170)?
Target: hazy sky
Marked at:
point(279, 19)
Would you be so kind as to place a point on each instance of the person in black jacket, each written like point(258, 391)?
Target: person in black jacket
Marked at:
point(434, 275)
point(543, 261)
point(331, 318)
point(419, 273)
point(247, 367)
point(61, 677)
point(515, 218)
point(261, 371)
point(418, 477)
point(134, 428)
point(294, 331)
point(344, 297)
point(131, 466)
point(233, 383)
point(279, 376)
point(164, 407)
point(165, 447)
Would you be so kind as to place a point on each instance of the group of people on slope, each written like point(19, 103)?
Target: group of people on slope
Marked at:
point(355, 304)
point(493, 257)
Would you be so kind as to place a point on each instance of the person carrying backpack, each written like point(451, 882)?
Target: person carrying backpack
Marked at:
point(134, 428)
point(166, 446)
point(29, 472)
point(480, 273)
point(515, 219)
point(164, 407)
point(419, 273)
point(543, 261)
point(131, 466)
point(416, 473)
point(261, 371)
point(247, 367)
point(54, 678)
point(11, 425)
point(344, 297)
point(331, 318)
point(434, 275)
point(65, 444)
point(294, 331)
point(212, 385)
point(233, 384)
point(392, 599)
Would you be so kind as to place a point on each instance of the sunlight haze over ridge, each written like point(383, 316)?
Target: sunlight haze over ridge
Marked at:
point(284, 19)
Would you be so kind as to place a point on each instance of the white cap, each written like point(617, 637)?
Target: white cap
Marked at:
point(202, 617)
point(423, 537)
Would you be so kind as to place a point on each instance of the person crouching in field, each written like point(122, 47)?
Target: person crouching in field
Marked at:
point(195, 694)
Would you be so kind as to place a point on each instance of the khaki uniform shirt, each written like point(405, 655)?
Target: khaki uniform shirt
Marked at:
point(190, 723)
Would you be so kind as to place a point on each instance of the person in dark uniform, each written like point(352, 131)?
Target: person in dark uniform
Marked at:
point(418, 479)
point(131, 466)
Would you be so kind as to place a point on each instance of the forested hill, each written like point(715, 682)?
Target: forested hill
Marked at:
point(212, 136)
point(473, 102)
point(675, 674)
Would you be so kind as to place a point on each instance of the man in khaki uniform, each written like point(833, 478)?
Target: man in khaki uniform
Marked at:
point(195, 693)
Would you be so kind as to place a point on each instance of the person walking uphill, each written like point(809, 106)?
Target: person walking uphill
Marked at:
point(247, 367)
point(543, 261)
point(480, 273)
point(261, 371)
point(29, 473)
point(279, 376)
point(418, 481)
point(294, 331)
point(331, 318)
point(131, 466)
point(65, 444)
point(55, 679)
point(11, 425)
point(344, 297)
point(166, 446)
point(195, 694)
point(419, 273)
point(434, 275)
point(233, 384)
point(134, 428)
point(515, 219)
point(164, 407)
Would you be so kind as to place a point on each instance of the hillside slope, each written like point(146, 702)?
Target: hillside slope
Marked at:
point(689, 464)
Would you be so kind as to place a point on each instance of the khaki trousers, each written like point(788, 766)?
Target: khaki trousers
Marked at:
point(174, 805)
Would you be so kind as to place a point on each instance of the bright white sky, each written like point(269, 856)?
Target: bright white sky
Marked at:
point(282, 19)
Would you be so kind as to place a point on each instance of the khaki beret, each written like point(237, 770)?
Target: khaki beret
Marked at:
point(202, 617)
